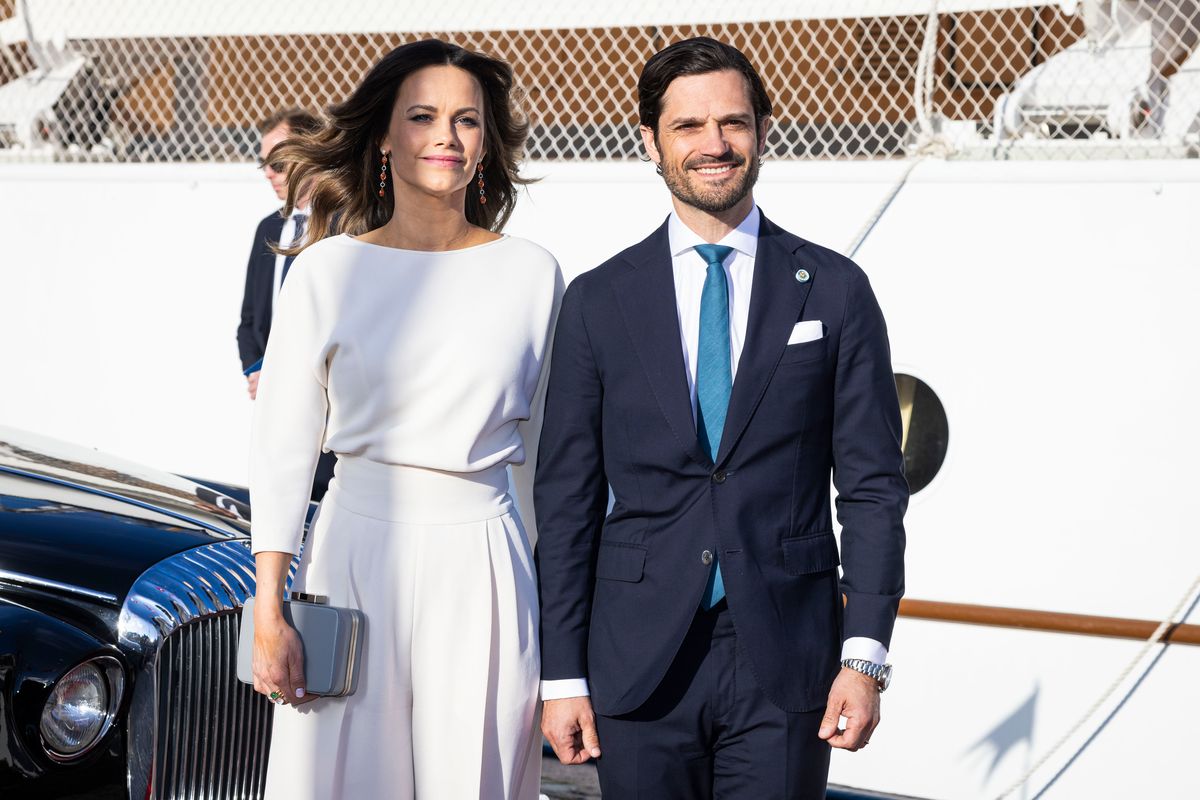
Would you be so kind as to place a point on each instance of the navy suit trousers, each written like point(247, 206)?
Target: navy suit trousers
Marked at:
point(708, 731)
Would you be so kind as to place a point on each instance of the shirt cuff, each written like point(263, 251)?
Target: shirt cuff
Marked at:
point(564, 688)
point(858, 647)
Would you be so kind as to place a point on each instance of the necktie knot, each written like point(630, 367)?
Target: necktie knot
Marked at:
point(714, 254)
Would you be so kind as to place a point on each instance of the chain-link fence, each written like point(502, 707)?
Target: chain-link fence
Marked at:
point(135, 80)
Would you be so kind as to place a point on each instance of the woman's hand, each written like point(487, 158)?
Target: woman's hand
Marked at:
point(278, 659)
point(278, 654)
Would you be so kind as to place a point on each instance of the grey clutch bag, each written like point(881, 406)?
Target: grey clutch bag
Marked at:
point(332, 638)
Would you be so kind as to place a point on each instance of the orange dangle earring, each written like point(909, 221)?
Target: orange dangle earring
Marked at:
point(383, 172)
point(482, 196)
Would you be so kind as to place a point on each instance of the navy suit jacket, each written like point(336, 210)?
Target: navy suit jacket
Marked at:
point(618, 592)
point(255, 326)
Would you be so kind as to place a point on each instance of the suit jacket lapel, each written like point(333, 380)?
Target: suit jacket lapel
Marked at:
point(776, 302)
point(646, 296)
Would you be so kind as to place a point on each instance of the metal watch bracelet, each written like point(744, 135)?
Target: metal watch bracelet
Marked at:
point(881, 673)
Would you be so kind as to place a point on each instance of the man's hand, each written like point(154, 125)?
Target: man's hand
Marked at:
point(856, 697)
point(252, 385)
point(570, 727)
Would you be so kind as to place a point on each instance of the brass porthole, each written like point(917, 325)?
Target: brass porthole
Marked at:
point(926, 431)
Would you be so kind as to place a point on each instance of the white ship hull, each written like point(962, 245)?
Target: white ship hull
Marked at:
point(1051, 306)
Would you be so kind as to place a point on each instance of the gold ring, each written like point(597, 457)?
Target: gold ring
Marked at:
point(276, 697)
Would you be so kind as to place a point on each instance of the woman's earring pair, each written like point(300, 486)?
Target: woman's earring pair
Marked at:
point(383, 175)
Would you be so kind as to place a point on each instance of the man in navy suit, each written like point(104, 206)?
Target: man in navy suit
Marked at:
point(262, 272)
point(697, 639)
point(267, 269)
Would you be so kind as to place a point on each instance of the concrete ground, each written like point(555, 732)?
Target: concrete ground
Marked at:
point(569, 783)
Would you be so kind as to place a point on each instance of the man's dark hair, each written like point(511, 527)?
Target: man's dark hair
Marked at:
point(298, 120)
point(695, 57)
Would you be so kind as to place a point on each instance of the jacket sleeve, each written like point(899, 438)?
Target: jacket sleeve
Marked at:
point(868, 468)
point(571, 493)
point(289, 417)
point(248, 350)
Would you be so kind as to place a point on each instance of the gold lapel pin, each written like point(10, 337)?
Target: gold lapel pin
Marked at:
point(802, 275)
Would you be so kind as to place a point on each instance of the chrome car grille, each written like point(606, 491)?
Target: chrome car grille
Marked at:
point(194, 730)
point(213, 731)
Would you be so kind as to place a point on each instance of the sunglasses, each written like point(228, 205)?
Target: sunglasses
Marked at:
point(276, 166)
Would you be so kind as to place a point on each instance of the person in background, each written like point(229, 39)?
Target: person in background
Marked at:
point(266, 269)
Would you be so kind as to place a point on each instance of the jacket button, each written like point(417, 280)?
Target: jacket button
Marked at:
point(706, 557)
point(719, 476)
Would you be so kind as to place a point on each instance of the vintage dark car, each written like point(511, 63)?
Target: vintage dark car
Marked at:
point(120, 589)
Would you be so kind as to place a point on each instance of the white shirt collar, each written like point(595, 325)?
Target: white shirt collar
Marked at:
point(743, 238)
point(298, 210)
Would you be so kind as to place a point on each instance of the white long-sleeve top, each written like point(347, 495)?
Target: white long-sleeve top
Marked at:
point(423, 359)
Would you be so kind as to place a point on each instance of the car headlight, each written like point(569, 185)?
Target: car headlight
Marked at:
point(81, 708)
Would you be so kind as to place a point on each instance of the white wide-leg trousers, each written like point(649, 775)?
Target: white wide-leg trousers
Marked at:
point(446, 706)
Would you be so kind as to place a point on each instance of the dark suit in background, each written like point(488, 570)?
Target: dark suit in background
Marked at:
point(255, 326)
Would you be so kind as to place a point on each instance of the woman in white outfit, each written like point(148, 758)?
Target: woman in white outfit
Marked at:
point(412, 343)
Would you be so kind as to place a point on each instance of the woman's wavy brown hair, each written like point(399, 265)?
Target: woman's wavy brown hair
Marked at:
point(340, 163)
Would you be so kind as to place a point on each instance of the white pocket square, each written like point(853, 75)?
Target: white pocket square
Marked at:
point(807, 331)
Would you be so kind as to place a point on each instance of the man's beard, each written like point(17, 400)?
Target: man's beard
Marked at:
point(713, 199)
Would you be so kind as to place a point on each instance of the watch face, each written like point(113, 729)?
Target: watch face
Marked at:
point(885, 677)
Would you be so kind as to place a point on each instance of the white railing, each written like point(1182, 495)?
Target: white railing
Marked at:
point(135, 80)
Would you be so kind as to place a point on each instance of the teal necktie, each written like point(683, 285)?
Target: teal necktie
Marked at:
point(714, 376)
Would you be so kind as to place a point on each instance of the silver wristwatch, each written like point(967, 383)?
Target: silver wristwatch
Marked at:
point(882, 673)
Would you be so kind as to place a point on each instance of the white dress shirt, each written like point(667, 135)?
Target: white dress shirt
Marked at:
point(691, 270)
point(287, 238)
